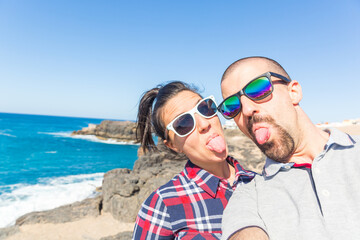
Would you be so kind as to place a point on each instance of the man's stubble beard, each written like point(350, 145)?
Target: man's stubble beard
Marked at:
point(281, 147)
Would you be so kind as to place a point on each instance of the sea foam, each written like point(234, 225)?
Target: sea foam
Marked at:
point(91, 138)
point(19, 199)
point(4, 133)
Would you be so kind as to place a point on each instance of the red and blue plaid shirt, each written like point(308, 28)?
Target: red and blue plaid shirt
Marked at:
point(189, 206)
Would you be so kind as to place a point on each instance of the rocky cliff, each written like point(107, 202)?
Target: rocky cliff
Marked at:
point(123, 131)
point(124, 190)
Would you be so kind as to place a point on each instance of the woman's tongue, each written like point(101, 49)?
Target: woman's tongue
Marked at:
point(217, 144)
point(262, 135)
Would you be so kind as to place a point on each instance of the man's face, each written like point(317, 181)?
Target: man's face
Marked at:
point(270, 122)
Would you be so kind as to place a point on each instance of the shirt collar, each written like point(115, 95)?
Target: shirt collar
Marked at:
point(337, 137)
point(209, 182)
point(272, 167)
point(241, 174)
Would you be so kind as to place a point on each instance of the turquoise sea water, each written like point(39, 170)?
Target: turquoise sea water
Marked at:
point(42, 166)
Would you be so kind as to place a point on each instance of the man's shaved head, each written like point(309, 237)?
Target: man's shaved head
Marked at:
point(273, 65)
point(265, 122)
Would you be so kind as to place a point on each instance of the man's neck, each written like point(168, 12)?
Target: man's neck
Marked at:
point(311, 142)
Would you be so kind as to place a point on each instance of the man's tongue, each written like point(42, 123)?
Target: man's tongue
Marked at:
point(262, 135)
point(217, 144)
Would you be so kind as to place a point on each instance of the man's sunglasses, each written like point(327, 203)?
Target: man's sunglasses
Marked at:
point(185, 123)
point(256, 90)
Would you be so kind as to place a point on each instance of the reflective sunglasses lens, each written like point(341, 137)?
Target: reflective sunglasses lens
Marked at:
point(259, 88)
point(230, 107)
point(207, 108)
point(184, 124)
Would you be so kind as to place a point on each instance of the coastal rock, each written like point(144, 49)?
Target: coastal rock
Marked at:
point(125, 190)
point(119, 236)
point(67, 213)
point(8, 231)
point(119, 191)
point(124, 131)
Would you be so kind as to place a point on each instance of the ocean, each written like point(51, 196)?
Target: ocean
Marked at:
point(42, 166)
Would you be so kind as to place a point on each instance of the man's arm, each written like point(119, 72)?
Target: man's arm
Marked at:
point(250, 233)
point(241, 219)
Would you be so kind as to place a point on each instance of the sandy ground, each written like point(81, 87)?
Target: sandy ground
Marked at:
point(351, 129)
point(90, 228)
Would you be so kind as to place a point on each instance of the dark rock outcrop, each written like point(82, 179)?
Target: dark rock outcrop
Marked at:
point(119, 236)
point(123, 131)
point(125, 190)
point(8, 231)
point(67, 213)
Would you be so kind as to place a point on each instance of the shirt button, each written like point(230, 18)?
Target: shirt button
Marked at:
point(287, 167)
point(326, 193)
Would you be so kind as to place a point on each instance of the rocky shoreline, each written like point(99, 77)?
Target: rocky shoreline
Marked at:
point(123, 190)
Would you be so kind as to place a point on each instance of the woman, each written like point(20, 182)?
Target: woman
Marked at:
point(191, 204)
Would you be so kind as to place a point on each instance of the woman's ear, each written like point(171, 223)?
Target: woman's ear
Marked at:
point(170, 145)
point(295, 92)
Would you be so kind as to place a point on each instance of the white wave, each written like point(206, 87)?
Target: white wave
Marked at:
point(3, 132)
point(57, 134)
point(19, 199)
point(94, 138)
point(91, 138)
point(51, 152)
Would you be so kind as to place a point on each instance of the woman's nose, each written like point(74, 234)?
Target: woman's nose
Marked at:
point(202, 124)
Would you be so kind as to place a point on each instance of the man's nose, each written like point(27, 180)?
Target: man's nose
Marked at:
point(249, 107)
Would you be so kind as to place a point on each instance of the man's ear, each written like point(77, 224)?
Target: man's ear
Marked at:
point(295, 92)
point(170, 145)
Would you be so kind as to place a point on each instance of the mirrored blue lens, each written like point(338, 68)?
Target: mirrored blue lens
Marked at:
point(258, 88)
point(230, 107)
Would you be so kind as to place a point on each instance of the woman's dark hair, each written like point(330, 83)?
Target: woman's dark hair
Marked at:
point(149, 118)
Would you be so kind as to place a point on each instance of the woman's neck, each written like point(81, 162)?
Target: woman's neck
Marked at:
point(222, 170)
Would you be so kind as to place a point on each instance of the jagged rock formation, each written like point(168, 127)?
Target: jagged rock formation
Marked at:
point(123, 131)
point(119, 236)
point(68, 213)
point(124, 190)
point(6, 232)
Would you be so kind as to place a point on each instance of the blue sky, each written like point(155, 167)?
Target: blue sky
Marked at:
point(96, 58)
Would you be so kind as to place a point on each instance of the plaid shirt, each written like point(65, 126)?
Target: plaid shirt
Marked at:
point(189, 206)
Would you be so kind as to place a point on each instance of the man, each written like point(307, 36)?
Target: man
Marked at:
point(310, 187)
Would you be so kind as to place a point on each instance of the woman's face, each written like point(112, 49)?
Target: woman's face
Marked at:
point(205, 144)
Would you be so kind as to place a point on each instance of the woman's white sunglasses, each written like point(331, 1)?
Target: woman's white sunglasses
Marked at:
point(185, 123)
